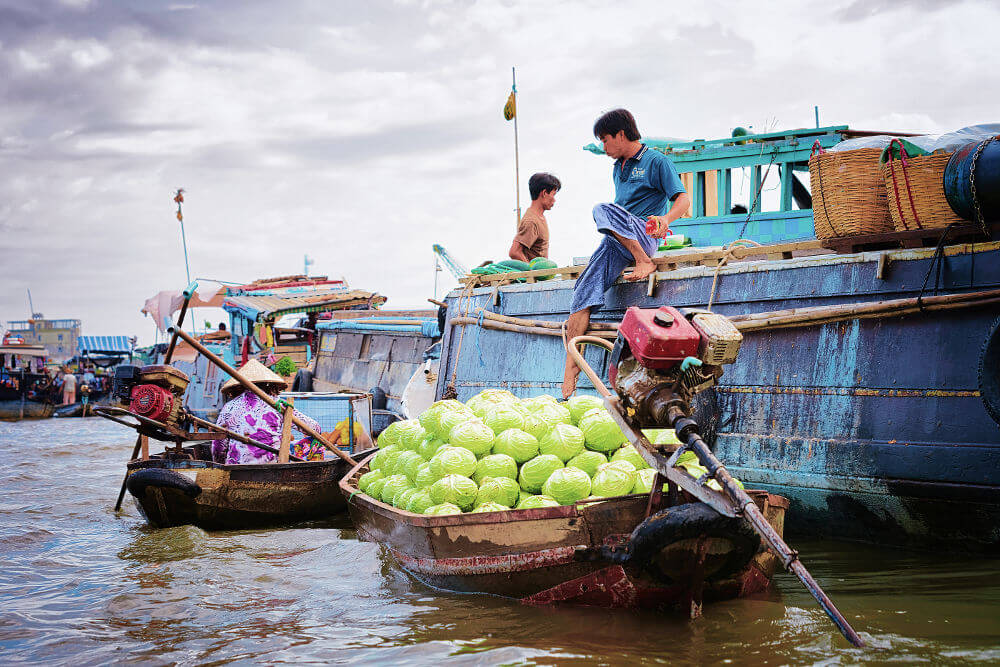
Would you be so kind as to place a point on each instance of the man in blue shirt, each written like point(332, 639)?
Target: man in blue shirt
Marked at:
point(645, 183)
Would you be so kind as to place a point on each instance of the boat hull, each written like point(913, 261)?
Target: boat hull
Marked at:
point(228, 497)
point(875, 429)
point(559, 554)
point(16, 410)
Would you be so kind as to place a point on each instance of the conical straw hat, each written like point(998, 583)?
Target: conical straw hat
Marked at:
point(257, 373)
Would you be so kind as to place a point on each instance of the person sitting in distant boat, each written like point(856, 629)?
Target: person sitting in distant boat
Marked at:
point(645, 182)
point(245, 413)
point(532, 239)
point(222, 326)
point(68, 388)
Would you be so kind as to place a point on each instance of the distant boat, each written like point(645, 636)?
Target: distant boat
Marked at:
point(26, 391)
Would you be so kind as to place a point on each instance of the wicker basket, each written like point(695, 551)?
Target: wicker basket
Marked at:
point(848, 193)
point(915, 189)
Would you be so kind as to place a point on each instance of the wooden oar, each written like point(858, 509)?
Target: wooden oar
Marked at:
point(260, 393)
point(743, 504)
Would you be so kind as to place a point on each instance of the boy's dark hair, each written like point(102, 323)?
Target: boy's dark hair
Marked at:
point(542, 182)
point(616, 121)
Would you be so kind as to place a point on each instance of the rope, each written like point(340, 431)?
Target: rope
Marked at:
point(730, 249)
point(822, 196)
point(450, 391)
point(937, 262)
point(906, 178)
point(756, 197)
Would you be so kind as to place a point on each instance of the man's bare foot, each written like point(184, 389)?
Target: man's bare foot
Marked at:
point(569, 381)
point(641, 271)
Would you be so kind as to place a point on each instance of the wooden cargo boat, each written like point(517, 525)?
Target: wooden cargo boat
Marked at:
point(26, 392)
point(868, 386)
point(629, 551)
point(187, 487)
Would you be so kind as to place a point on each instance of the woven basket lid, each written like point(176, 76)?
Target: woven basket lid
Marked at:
point(257, 373)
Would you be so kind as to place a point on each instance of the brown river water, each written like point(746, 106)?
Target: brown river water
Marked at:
point(81, 585)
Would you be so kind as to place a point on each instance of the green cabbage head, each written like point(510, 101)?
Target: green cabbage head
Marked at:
point(554, 414)
point(474, 436)
point(425, 476)
point(630, 454)
point(563, 440)
point(567, 485)
point(383, 456)
point(454, 489)
point(667, 437)
point(368, 478)
point(443, 508)
point(412, 435)
point(621, 465)
point(578, 405)
point(644, 481)
point(495, 465)
point(538, 402)
point(503, 417)
point(488, 399)
point(502, 490)
point(601, 431)
point(611, 481)
point(450, 419)
point(535, 472)
point(587, 461)
point(393, 485)
point(534, 425)
point(408, 463)
point(490, 507)
point(536, 502)
point(390, 436)
point(375, 488)
point(400, 499)
point(516, 444)
point(429, 446)
point(453, 460)
point(419, 502)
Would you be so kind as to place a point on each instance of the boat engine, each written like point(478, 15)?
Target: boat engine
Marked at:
point(153, 392)
point(664, 356)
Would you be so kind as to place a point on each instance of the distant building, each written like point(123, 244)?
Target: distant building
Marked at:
point(59, 337)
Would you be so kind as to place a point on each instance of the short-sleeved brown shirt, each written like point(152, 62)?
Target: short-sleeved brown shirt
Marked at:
point(533, 234)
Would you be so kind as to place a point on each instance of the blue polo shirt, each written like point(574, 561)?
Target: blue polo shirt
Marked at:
point(645, 184)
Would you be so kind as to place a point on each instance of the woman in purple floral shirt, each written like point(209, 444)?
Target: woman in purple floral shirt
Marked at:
point(251, 417)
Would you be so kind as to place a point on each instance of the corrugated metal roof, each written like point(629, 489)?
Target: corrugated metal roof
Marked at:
point(264, 307)
point(104, 344)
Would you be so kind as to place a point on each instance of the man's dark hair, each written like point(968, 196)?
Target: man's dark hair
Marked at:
point(542, 182)
point(616, 121)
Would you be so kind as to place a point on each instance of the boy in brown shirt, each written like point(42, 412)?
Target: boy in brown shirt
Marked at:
point(532, 239)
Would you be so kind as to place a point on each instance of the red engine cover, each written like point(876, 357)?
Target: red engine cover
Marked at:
point(151, 402)
point(659, 338)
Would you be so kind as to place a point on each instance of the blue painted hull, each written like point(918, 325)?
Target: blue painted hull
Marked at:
point(875, 429)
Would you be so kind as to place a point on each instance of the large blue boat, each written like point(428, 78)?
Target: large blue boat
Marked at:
point(878, 426)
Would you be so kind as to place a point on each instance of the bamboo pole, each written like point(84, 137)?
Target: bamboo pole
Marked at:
point(841, 312)
point(545, 324)
point(284, 447)
point(260, 393)
point(518, 328)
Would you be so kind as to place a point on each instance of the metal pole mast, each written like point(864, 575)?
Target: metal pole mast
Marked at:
point(517, 165)
point(179, 199)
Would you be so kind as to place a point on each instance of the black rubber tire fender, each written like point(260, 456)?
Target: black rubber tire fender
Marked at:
point(140, 480)
point(989, 371)
point(689, 521)
point(303, 380)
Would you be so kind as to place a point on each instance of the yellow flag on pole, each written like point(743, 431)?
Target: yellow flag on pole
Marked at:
point(510, 109)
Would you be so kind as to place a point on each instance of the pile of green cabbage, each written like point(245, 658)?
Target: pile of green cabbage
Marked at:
point(497, 452)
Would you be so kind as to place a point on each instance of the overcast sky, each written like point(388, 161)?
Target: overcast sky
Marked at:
point(362, 133)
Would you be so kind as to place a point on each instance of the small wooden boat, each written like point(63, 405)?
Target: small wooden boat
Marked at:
point(185, 486)
point(628, 551)
point(17, 409)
